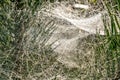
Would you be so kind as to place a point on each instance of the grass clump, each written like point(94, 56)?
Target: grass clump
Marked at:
point(23, 52)
point(108, 52)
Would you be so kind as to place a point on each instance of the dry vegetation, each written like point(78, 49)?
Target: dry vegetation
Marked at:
point(24, 54)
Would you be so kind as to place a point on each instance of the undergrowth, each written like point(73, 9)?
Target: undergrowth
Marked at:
point(25, 55)
point(21, 57)
point(108, 52)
